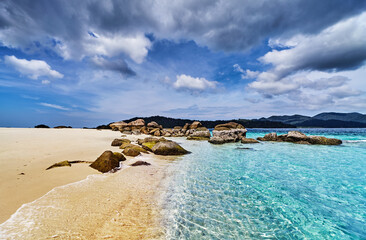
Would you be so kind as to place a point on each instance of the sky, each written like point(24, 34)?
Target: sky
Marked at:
point(91, 62)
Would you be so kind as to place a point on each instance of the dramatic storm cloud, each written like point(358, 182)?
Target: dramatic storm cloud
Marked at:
point(109, 60)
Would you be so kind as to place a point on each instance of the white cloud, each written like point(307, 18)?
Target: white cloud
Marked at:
point(32, 68)
point(136, 47)
point(339, 47)
point(46, 82)
point(191, 83)
point(54, 106)
point(246, 74)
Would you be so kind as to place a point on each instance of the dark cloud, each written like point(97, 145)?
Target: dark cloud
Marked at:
point(225, 25)
point(118, 65)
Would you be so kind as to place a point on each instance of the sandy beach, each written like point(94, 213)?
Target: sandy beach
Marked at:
point(117, 205)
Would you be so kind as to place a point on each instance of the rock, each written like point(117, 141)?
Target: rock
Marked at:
point(140, 163)
point(200, 133)
point(195, 125)
point(296, 136)
point(119, 142)
point(60, 164)
point(168, 148)
point(136, 132)
point(60, 127)
point(268, 137)
point(144, 130)
point(148, 139)
point(118, 126)
point(248, 140)
point(107, 161)
point(137, 123)
point(157, 133)
point(227, 136)
point(133, 150)
point(177, 128)
point(119, 156)
point(300, 138)
point(185, 127)
point(41, 126)
point(153, 124)
point(216, 140)
point(168, 134)
point(228, 126)
point(153, 130)
point(124, 145)
point(324, 141)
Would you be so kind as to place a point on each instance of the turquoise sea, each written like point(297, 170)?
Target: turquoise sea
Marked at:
point(269, 190)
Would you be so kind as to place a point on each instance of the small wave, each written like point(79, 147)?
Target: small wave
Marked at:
point(355, 141)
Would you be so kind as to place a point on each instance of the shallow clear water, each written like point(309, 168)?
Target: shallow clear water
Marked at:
point(269, 190)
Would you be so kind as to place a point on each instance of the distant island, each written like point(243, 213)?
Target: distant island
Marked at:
point(322, 120)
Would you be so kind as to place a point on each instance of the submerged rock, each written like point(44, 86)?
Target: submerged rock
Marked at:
point(60, 164)
point(249, 140)
point(168, 148)
point(107, 161)
point(140, 163)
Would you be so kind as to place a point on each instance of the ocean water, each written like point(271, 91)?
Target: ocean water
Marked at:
point(269, 190)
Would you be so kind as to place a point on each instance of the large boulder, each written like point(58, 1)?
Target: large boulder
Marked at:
point(118, 126)
point(153, 124)
point(137, 123)
point(228, 132)
point(248, 140)
point(119, 142)
point(228, 126)
point(200, 133)
point(323, 140)
point(107, 161)
point(195, 125)
point(168, 148)
point(268, 137)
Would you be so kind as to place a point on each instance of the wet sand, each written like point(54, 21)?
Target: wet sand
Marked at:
point(123, 205)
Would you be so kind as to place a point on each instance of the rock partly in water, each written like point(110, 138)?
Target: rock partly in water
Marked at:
point(300, 138)
point(268, 137)
point(140, 163)
point(107, 161)
point(249, 140)
point(60, 164)
point(200, 133)
point(323, 140)
point(168, 148)
point(228, 132)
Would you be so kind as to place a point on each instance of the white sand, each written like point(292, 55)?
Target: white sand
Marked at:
point(123, 205)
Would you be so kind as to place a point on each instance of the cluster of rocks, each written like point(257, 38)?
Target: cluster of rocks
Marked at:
point(300, 138)
point(194, 131)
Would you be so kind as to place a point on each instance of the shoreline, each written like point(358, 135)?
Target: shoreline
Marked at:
point(111, 206)
point(133, 192)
